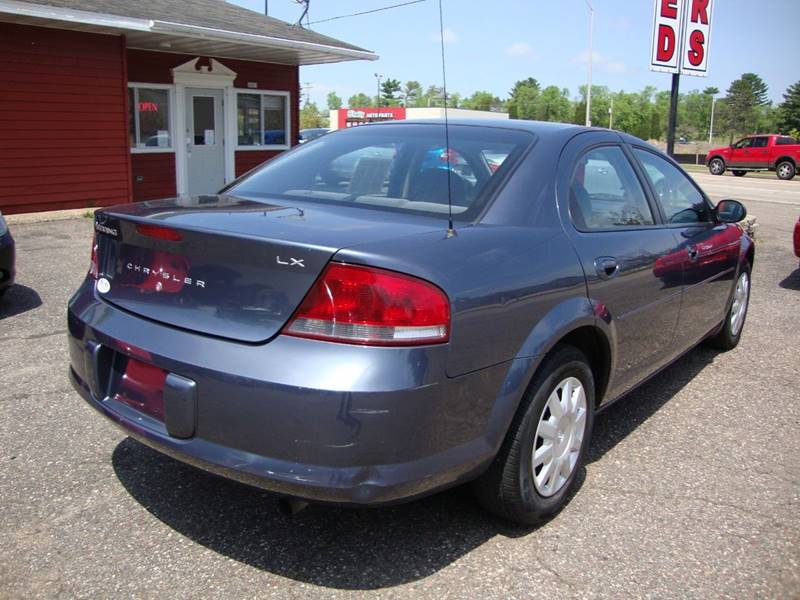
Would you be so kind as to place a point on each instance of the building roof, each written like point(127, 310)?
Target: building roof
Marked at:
point(209, 27)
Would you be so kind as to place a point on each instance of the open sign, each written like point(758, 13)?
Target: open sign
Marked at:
point(148, 106)
point(681, 34)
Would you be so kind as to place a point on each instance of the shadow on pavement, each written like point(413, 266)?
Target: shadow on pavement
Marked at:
point(792, 281)
point(17, 300)
point(348, 548)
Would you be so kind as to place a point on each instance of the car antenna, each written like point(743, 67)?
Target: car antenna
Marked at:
point(450, 231)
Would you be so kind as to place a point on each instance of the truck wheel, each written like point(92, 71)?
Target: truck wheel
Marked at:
point(716, 166)
point(785, 170)
point(739, 173)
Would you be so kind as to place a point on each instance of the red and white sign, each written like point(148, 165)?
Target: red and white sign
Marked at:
point(696, 36)
point(351, 117)
point(681, 36)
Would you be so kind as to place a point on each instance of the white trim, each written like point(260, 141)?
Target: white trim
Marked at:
point(96, 19)
point(170, 118)
point(287, 118)
point(219, 77)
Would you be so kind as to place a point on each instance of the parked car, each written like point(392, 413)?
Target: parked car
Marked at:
point(6, 257)
point(341, 342)
point(306, 135)
point(797, 238)
point(779, 153)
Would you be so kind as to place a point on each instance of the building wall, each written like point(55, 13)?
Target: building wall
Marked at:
point(63, 128)
point(150, 170)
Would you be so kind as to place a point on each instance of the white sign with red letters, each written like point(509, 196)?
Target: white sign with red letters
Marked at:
point(681, 36)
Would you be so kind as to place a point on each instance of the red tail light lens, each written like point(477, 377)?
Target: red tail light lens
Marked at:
point(161, 233)
point(362, 305)
point(94, 269)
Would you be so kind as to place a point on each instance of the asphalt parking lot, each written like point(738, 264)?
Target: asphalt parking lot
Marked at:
point(692, 488)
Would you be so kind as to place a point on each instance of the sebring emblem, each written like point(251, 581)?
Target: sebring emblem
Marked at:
point(103, 285)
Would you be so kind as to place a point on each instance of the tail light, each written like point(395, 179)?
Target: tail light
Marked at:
point(363, 305)
point(158, 232)
point(94, 269)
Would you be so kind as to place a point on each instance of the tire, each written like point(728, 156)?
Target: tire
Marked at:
point(785, 170)
point(516, 487)
point(731, 332)
point(716, 166)
point(739, 173)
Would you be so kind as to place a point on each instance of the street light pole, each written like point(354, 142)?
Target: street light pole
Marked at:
point(591, 60)
point(611, 114)
point(378, 77)
point(711, 125)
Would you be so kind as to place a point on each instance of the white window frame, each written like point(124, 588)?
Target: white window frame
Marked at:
point(287, 98)
point(170, 118)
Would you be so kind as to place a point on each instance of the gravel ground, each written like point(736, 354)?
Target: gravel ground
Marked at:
point(692, 489)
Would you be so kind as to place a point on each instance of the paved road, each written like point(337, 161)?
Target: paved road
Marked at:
point(750, 189)
point(693, 488)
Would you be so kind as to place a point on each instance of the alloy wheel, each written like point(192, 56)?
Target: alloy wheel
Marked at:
point(559, 436)
point(784, 170)
point(741, 296)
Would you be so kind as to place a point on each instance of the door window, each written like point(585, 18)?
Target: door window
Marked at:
point(681, 200)
point(605, 193)
point(741, 144)
point(760, 142)
point(203, 114)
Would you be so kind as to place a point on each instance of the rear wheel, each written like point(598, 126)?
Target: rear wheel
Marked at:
point(731, 332)
point(785, 170)
point(535, 471)
point(716, 166)
point(739, 173)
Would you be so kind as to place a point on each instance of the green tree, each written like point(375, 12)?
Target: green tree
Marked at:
point(360, 100)
point(334, 101)
point(480, 100)
point(745, 99)
point(411, 91)
point(310, 116)
point(789, 110)
point(389, 88)
point(522, 99)
point(553, 104)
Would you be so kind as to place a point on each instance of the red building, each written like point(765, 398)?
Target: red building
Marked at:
point(108, 101)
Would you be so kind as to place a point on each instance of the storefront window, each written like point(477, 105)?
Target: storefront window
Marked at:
point(148, 118)
point(262, 120)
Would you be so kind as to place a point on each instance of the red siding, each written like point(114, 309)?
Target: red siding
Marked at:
point(250, 159)
point(153, 176)
point(63, 138)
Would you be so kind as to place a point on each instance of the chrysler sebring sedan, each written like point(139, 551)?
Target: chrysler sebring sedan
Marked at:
point(372, 334)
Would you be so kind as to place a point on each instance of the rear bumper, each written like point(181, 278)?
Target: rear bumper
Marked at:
point(7, 271)
point(315, 420)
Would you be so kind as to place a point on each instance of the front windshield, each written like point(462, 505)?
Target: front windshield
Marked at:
point(396, 167)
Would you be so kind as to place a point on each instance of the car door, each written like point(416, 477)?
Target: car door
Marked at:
point(709, 251)
point(759, 152)
point(740, 153)
point(625, 253)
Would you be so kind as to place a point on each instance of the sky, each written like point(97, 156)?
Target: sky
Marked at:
point(490, 45)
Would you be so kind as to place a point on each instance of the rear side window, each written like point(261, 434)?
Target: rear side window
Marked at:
point(404, 167)
point(785, 141)
point(605, 193)
point(760, 142)
point(680, 200)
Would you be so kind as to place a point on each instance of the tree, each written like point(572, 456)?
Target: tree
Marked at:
point(480, 101)
point(388, 89)
point(745, 98)
point(789, 110)
point(522, 101)
point(311, 117)
point(411, 91)
point(553, 105)
point(334, 101)
point(359, 100)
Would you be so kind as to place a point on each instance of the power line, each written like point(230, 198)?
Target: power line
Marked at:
point(366, 12)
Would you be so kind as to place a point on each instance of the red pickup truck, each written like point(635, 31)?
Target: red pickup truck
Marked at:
point(779, 153)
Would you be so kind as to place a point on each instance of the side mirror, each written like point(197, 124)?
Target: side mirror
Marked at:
point(730, 211)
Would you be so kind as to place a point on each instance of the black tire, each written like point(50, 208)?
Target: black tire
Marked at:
point(728, 337)
point(716, 166)
point(785, 170)
point(507, 489)
point(739, 173)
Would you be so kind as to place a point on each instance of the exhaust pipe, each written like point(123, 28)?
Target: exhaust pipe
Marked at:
point(289, 507)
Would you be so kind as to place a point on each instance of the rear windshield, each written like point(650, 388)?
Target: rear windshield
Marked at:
point(394, 167)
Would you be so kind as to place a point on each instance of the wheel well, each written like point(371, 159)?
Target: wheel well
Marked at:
point(785, 158)
point(594, 344)
point(751, 256)
point(716, 156)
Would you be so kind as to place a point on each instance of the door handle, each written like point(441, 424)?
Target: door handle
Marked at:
point(692, 250)
point(606, 267)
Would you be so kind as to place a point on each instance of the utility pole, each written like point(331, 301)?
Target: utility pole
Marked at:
point(266, 7)
point(711, 125)
point(378, 77)
point(673, 113)
point(591, 60)
point(611, 114)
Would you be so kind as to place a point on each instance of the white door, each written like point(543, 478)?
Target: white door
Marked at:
point(205, 150)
